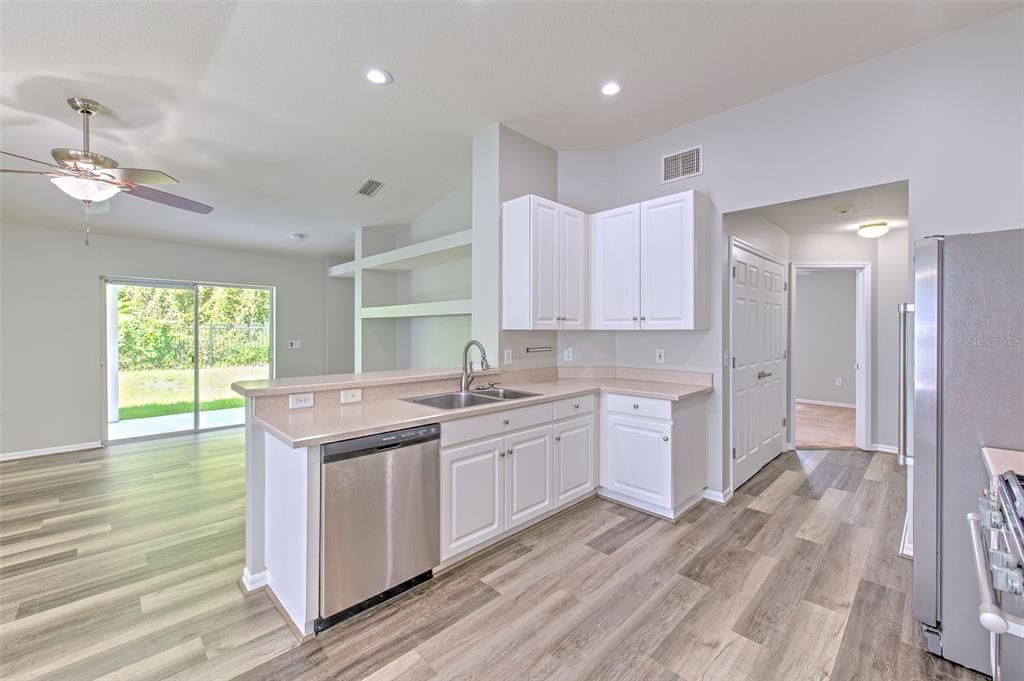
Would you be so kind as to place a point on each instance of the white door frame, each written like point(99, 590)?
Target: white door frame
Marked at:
point(862, 430)
point(734, 243)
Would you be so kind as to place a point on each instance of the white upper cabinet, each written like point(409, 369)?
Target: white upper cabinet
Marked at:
point(649, 265)
point(544, 265)
point(615, 268)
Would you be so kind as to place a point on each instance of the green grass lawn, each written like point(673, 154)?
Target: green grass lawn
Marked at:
point(158, 392)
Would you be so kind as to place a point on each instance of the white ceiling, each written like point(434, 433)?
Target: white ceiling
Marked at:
point(261, 109)
point(885, 202)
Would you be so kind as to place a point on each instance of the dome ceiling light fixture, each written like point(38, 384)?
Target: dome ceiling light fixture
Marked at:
point(873, 230)
point(611, 88)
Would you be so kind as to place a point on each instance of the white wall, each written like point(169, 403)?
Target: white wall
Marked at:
point(51, 310)
point(902, 116)
point(824, 336)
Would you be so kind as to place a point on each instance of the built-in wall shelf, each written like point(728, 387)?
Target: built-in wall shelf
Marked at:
point(447, 248)
point(443, 308)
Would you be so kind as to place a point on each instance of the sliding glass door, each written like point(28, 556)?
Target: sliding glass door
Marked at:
point(173, 351)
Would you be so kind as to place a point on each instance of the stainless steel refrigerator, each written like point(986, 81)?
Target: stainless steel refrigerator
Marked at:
point(968, 393)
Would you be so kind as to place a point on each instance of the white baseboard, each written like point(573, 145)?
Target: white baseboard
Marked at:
point(822, 403)
point(718, 497)
point(884, 448)
point(253, 582)
point(61, 449)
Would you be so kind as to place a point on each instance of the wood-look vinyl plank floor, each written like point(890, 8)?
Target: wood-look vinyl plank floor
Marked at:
point(121, 563)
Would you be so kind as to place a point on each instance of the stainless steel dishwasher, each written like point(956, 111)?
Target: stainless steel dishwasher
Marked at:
point(380, 519)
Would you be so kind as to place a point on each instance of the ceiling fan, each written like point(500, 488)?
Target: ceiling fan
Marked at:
point(90, 177)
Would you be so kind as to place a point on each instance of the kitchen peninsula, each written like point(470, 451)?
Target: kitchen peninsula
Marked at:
point(559, 435)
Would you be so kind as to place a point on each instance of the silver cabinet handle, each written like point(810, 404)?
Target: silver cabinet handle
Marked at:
point(665, 438)
point(636, 406)
point(643, 318)
point(558, 438)
point(509, 452)
point(501, 454)
point(576, 405)
point(505, 421)
point(634, 319)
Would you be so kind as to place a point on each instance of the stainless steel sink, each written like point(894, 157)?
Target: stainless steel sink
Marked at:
point(504, 393)
point(456, 400)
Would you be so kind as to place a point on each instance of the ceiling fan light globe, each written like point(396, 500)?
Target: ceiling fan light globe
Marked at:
point(84, 189)
point(873, 230)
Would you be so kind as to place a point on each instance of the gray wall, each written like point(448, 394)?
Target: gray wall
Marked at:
point(51, 321)
point(824, 336)
point(819, 137)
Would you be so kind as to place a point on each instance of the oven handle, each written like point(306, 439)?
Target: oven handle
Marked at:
point(990, 614)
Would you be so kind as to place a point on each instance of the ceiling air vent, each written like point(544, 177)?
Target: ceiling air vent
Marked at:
point(370, 188)
point(682, 164)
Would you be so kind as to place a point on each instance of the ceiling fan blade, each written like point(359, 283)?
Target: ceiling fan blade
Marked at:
point(138, 176)
point(26, 158)
point(151, 194)
point(31, 172)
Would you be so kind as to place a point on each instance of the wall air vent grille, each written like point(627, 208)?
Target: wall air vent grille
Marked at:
point(682, 164)
point(370, 188)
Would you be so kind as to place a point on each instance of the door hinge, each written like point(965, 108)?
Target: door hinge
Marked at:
point(734, 452)
point(733, 362)
point(734, 271)
point(783, 421)
point(785, 286)
point(785, 354)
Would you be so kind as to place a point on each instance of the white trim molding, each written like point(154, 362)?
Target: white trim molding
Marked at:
point(822, 403)
point(60, 449)
point(717, 497)
point(252, 582)
point(886, 449)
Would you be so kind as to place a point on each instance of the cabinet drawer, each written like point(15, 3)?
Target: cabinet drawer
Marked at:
point(494, 423)
point(636, 406)
point(574, 406)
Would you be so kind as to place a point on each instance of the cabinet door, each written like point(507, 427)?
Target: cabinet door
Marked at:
point(667, 262)
point(638, 459)
point(544, 226)
point(574, 459)
point(615, 269)
point(572, 268)
point(471, 495)
point(529, 467)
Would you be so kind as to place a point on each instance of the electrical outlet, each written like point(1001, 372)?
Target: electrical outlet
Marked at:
point(300, 400)
point(839, 381)
point(508, 356)
point(659, 356)
point(352, 395)
point(567, 354)
point(294, 344)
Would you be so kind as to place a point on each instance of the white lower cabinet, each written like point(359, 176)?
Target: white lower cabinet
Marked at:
point(639, 459)
point(529, 467)
point(472, 495)
point(498, 484)
point(574, 459)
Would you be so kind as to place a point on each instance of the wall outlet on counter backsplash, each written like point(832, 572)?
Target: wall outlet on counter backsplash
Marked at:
point(508, 356)
point(300, 400)
point(567, 354)
point(351, 395)
point(659, 356)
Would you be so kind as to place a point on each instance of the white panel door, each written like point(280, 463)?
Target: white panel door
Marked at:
point(759, 339)
point(472, 499)
point(667, 262)
point(639, 459)
point(572, 268)
point(544, 224)
point(529, 473)
point(574, 459)
point(615, 269)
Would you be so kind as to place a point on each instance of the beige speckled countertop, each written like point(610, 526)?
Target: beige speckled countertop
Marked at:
point(284, 386)
point(313, 427)
point(998, 461)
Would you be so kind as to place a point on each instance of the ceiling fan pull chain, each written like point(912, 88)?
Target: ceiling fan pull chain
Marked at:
point(88, 221)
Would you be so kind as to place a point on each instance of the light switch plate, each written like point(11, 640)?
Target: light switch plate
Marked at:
point(352, 395)
point(839, 381)
point(659, 356)
point(567, 354)
point(300, 400)
point(294, 344)
point(508, 355)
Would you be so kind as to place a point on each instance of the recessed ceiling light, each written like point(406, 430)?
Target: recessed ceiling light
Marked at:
point(611, 88)
point(297, 236)
point(378, 76)
point(873, 230)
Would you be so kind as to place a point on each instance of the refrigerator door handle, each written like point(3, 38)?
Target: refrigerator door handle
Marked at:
point(906, 312)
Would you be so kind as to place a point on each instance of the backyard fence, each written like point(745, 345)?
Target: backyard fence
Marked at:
point(148, 345)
